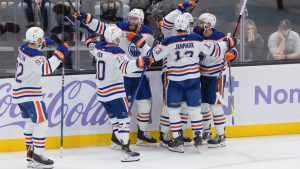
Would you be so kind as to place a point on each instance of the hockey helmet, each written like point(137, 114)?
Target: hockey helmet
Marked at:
point(208, 18)
point(111, 33)
point(181, 23)
point(33, 34)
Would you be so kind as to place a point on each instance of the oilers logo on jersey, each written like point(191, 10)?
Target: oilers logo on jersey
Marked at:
point(134, 50)
point(202, 56)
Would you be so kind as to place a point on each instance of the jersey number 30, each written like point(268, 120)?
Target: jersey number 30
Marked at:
point(100, 70)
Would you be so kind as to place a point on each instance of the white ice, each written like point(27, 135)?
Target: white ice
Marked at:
point(274, 152)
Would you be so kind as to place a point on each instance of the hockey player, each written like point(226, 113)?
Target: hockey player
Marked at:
point(134, 37)
point(210, 80)
point(111, 64)
point(168, 30)
point(28, 93)
point(182, 53)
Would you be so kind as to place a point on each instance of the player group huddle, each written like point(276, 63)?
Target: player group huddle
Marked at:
point(191, 56)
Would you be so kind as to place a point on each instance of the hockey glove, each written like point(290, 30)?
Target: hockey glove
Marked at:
point(84, 17)
point(90, 39)
point(231, 41)
point(61, 52)
point(231, 55)
point(143, 62)
point(137, 39)
point(48, 42)
point(185, 5)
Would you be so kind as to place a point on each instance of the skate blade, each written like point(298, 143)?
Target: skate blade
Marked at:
point(115, 146)
point(179, 149)
point(40, 166)
point(216, 145)
point(130, 159)
point(146, 144)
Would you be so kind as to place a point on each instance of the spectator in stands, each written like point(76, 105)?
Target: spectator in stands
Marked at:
point(5, 25)
point(254, 44)
point(36, 13)
point(9, 27)
point(284, 43)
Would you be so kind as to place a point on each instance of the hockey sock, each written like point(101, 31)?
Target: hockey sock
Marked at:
point(28, 130)
point(205, 110)
point(175, 121)
point(115, 125)
point(124, 130)
point(184, 115)
point(39, 137)
point(196, 119)
point(164, 120)
point(219, 118)
point(143, 115)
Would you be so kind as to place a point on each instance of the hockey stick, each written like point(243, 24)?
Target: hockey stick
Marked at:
point(76, 26)
point(229, 67)
point(59, 42)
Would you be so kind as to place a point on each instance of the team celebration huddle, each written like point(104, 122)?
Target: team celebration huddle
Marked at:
point(194, 57)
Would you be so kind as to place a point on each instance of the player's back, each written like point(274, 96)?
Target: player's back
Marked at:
point(28, 85)
point(109, 77)
point(183, 60)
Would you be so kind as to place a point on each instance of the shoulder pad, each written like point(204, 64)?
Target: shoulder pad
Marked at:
point(216, 35)
point(115, 50)
point(30, 52)
point(124, 26)
point(146, 29)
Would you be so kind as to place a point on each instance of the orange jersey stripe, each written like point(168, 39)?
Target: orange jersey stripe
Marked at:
point(222, 119)
point(211, 70)
point(39, 111)
point(27, 92)
point(197, 125)
point(165, 121)
point(112, 89)
point(217, 51)
point(183, 70)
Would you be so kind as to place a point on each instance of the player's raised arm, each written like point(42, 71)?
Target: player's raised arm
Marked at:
point(93, 24)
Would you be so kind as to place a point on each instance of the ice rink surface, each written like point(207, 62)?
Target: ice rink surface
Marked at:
point(274, 152)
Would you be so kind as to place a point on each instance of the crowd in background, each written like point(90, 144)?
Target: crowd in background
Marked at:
point(272, 36)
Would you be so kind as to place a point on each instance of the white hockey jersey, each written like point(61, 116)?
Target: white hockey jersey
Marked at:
point(131, 50)
point(208, 67)
point(182, 53)
point(212, 67)
point(31, 66)
point(111, 64)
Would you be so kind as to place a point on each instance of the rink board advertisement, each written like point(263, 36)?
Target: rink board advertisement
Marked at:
point(262, 95)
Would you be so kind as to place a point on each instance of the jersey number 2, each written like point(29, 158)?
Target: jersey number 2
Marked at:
point(100, 70)
point(20, 69)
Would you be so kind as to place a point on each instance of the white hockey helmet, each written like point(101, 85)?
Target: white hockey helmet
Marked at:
point(189, 17)
point(208, 18)
point(138, 13)
point(181, 23)
point(33, 34)
point(112, 32)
